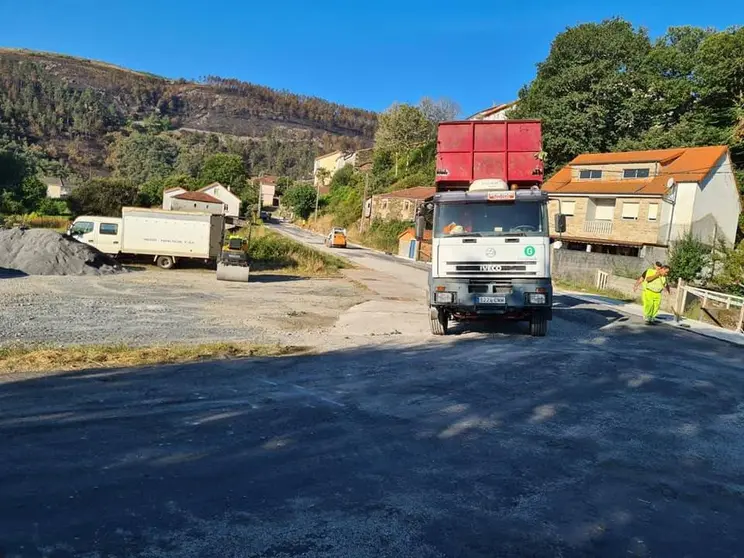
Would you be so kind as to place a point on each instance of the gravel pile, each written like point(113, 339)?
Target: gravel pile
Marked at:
point(45, 252)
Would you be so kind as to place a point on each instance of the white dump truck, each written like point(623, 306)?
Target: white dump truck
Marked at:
point(491, 242)
point(167, 236)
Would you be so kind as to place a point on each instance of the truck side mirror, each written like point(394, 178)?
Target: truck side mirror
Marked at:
point(420, 227)
point(560, 223)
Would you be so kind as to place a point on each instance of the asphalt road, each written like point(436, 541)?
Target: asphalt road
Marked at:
point(605, 438)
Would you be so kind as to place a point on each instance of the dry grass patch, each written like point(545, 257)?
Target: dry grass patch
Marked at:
point(273, 251)
point(81, 357)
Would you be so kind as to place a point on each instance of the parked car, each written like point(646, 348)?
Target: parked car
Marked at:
point(265, 216)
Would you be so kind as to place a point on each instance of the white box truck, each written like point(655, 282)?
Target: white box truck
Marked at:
point(165, 235)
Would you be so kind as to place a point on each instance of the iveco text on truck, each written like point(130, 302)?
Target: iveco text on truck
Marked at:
point(165, 235)
point(490, 241)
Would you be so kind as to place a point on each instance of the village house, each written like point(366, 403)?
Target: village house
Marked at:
point(626, 203)
point(407, 245)
point(267, 190)
point(231, 201)
point(57, 188)
point(196, 201)
point(333, 162)
point(496, 112)
point(400, 205)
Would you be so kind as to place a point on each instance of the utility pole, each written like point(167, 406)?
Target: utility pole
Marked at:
point(317, 197)
point(364, 201)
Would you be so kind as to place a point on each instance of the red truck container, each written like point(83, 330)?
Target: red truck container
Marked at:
point(473, 149)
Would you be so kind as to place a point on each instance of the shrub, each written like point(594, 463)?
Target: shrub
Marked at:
point(688, 257)
point(731, 265)
point(35, 221)
point(383, 235)
point(53, 207)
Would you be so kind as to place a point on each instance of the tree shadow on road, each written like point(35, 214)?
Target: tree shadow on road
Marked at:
point(509, 446)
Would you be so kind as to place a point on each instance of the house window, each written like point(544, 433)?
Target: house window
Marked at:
point(384, 204)
point(635, 173)
point(630, 211)
point(407, 205)
point(604, 210)
point(108, 228)
point(587, 174)
point(568, 208)
point(653, 211)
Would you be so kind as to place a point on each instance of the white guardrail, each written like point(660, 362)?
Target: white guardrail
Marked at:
point(721, 300)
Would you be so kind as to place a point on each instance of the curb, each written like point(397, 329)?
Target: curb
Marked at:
point(674, 324)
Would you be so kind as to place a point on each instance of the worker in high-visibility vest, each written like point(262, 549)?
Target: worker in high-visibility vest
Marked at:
point(654, 281)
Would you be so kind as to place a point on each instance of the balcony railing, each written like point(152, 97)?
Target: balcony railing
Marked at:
point(598, 227)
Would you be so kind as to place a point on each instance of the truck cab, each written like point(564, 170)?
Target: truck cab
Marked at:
point(103, 233)
point(490, 237)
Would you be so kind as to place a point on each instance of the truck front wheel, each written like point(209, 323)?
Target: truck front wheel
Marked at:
point(538, 325)
point(439, 321)
point(165, 262)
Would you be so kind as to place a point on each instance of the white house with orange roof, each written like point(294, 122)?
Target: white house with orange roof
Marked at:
point(622, 202)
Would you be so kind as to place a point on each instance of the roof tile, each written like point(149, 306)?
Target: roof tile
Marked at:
point(197, 197)
point(689, 164)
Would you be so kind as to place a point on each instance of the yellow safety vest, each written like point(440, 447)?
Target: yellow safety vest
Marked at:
point(655, 286)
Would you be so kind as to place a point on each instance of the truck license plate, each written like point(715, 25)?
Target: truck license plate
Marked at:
point(490, 300)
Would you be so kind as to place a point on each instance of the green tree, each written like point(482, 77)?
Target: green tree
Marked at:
point(33, 192)
point(590, 91)
point(143, 157)
point(439, 110)
point(283, 183)
point(301, 198)
point(103, 196)
point(401, 128)
point(227, 169)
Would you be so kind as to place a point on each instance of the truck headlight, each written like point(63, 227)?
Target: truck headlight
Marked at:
point(536, 298)
point(444, 298)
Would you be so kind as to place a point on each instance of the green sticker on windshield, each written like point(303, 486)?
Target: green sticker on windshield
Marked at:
point(529, 251)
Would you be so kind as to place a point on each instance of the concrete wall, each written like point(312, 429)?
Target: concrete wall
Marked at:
point(582, 266)
point(716, 210)
point(168, 197)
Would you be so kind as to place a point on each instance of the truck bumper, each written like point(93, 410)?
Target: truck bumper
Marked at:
point(471, 298)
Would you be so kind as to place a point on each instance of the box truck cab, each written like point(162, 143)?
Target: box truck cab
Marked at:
point(490, 241)
point(104, 233)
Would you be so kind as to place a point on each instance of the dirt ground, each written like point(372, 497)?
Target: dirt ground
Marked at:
point(153, 306)
point(605, 438)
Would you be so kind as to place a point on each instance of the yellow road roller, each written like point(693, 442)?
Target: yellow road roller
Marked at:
point(234, 263)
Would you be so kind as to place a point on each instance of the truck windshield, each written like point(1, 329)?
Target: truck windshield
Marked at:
point(490, 219)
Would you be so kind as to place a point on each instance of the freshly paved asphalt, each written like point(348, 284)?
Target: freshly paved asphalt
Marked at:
point(606, 438)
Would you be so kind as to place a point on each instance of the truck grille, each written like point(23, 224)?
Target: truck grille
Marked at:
point(524, 268)
point(481, 286)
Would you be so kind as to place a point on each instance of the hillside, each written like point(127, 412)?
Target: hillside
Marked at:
point(68, 106)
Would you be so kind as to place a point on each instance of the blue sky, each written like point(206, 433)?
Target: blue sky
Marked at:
point(364, 54)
